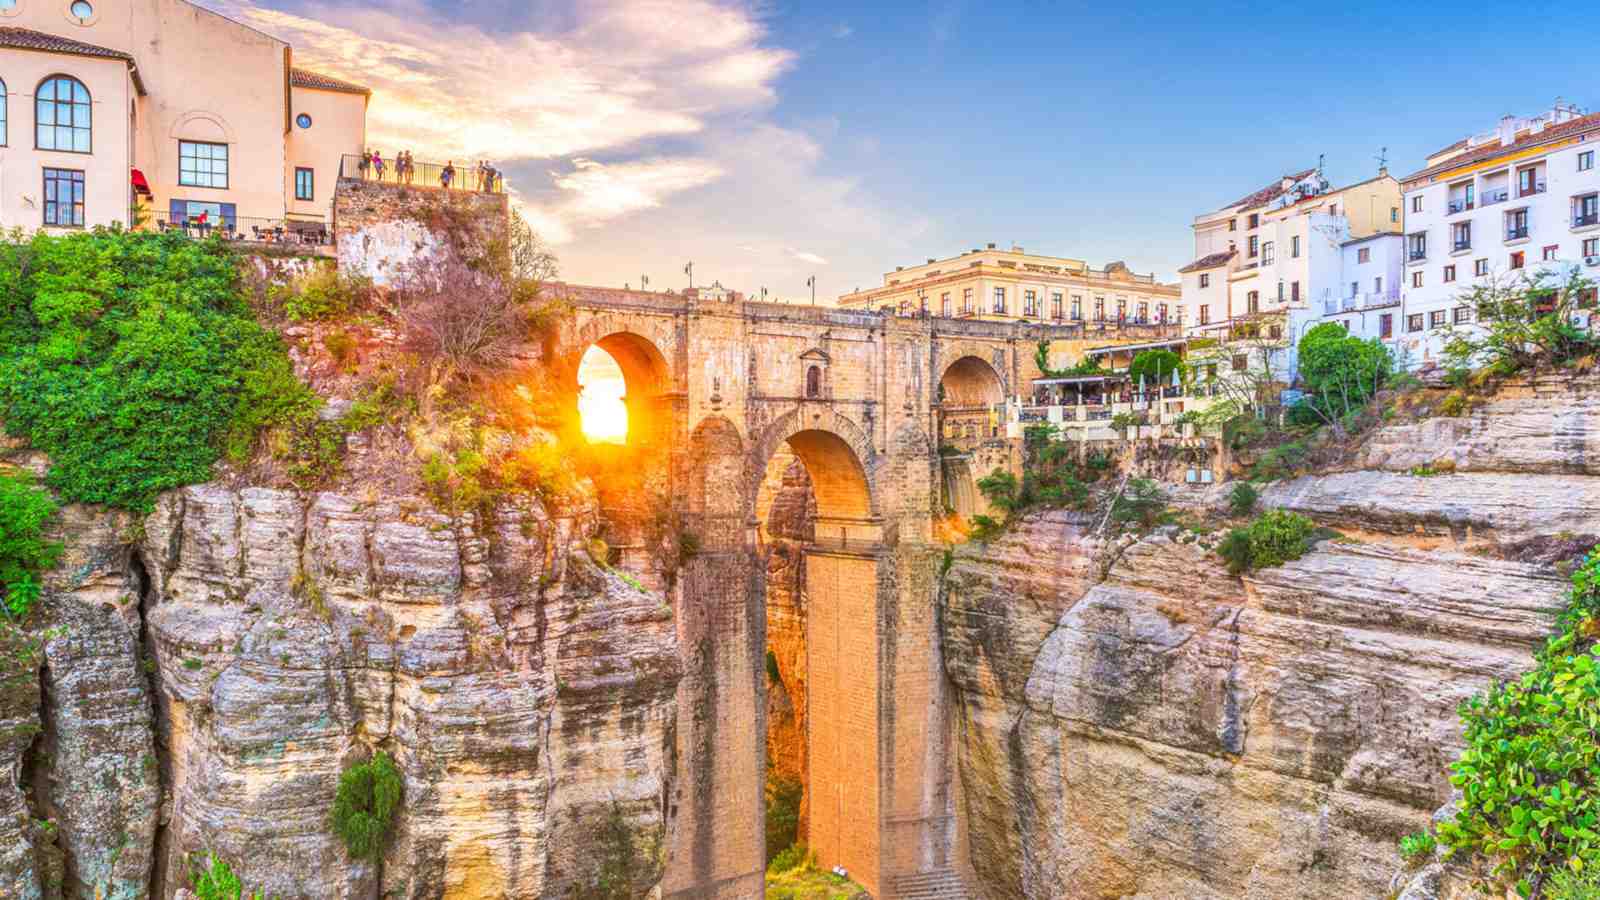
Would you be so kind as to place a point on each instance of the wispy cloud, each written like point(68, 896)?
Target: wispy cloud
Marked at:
point(811, 258)
point(843, 30)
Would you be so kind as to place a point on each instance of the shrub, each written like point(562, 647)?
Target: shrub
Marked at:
point(1274, 538)
point(365, 804)
point(1000, 488)
point(1530, 773)
point(1567, 884)
point(1417, 846)
point(132, 360)
point(1281, 461)
point(1156, 366)
point(1341, 371)
point(459, 321)
point(789, 858)
point(25, 510)
point(217, 881)
point(342, 347)
point(324, 293)
point(1242, 499)
point(1453, 405)
point(1142, 503)
point(784, 793)
point(622, 863)
point(986, 529)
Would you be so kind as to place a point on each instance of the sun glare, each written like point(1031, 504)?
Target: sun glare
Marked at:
point(600, 406)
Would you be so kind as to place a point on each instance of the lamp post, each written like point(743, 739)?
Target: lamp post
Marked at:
point(812, 283)
point(688, 270)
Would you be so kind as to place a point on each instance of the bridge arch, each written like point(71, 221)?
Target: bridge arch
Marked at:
point(971, 381)
point(647, 378)
point(839, 459)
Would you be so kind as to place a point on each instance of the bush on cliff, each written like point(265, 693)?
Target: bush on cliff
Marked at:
point(24, 550)
point(133, 361)
point(216, 881)
point(365, 804)
point(783, 811)
point(1530, 773)
point(1274, 538)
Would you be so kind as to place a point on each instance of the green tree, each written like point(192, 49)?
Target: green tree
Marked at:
point(1341, 372)
point(24, 551)
point(1522, 322)
point(1156, 366)
point(365, 804)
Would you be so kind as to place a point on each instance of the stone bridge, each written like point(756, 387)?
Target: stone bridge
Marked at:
point(715, 391)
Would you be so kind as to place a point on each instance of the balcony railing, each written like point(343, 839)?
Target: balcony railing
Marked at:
point(248, 229)
point(1463, 245)
point(1516, 234)
point(1581, 220)
point(1416, 255)
point(1501, 195)
point(1460, 205)
point(461, 177)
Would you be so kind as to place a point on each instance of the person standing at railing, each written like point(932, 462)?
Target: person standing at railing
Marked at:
point(447, 174)
point(377, 163)
point(365, 164)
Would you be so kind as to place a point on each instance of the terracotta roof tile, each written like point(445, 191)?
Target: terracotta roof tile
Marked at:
point(28, 39)
point(1210, 262)
point(308, 79)
point(1552, 133)
point(1266, 194)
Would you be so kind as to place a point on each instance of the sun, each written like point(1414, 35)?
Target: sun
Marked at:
point(600, 405)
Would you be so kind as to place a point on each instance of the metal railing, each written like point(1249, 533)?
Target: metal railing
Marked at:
point(1460, 205)
point(249, 229)
point(1580, 220)
point(1415, 255)
point(1516, 234)
point(1463, 245)
point(449, 176)
point(1490, 198)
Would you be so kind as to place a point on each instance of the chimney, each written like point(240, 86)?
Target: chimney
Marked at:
point(1508, 130)
point(899, 268)
point(1016, 248)
point(991, 246)
point(1285, 183)
point(931, 259)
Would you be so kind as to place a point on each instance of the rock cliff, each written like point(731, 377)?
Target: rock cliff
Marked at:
point(215, 666)
point(1133, 722)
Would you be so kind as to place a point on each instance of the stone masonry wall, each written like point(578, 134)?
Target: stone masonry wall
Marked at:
point(378, 228)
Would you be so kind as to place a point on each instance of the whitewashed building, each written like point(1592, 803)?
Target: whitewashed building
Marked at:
point(1520, 199)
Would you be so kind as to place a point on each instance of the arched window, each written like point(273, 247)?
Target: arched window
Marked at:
point(61, 111)
point(814, 381)
point(5, 132)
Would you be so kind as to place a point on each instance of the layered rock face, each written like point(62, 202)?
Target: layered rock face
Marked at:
point(1166, 730)
point(215, 674)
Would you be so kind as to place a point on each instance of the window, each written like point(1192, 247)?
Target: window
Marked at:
point(1077, 307)
point(303, 120)
point(1586, 210)
point(202, 164)
point(1418, 243)
point(1099, 309)
point(1144, 312)
point(1241, 362)
point(1527, 182)
point(63, 198)
point(1549, 252)
point(1280, 292)
point(1161, 313)
point(1480, 267)
point(5, 133)
point(1394, 213)
point(1055, 304)
point(1355, 288)
point(1333, 209)
point(305, 187)
point(1416, 279)
point(1122, 309)
point(1518, 260)
point(82, 10)
point(1205, 314)
point(1462, 315)
point(1416, 204)
point(1516, 224)
point(1233, 224)
point(1255, 246)
point(1414, 322)
point(1294, 247)
point(62, 115)
point(1436, 318)
point(1585, 160)
point(1449, 273)
point(1253, 300)
point(1461, 234)
point(1364, 255)
point(1267, 253)
point(1205, 279)
point(1274, 331)
point(944, 304)
point(1377, 285)
point(1294, 291)
point(1254, 220)
point(1591, 247)
point(966, 301)
point(1386, 325)
point(1030, 303)
point(1000, 300)
point(814, 381)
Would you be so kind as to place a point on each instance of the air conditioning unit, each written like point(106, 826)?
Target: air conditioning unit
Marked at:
point(1591, 260)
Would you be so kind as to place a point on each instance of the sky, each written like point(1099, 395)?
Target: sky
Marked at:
point(768, 142)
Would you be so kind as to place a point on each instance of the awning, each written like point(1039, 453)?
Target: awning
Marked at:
point(141, 185)
point(1147, 345)
point(1077, 379)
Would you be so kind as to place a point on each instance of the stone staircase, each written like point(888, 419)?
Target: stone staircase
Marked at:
point(939, 884)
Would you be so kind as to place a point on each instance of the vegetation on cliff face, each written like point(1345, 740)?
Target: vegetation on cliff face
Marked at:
point(1274, 538)
point(1530, 774)
point(25, 552)
point(133, 360)
point(365, 804)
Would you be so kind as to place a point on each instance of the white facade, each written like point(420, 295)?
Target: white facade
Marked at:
point(1518, 202)
point(1367, 299)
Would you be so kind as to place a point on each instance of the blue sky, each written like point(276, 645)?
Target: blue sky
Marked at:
point(768, 142)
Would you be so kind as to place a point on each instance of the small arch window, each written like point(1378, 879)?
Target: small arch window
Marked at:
point(62, 114)
point(303, 120)
point(82, 10)
point(814, 381)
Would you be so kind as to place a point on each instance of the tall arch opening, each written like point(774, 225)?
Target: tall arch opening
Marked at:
point(971, 433)
point(817, 541)
point(622, 412)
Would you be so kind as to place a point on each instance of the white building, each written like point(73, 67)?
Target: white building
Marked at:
point(1519, 200)
point(1272, 263)
point(1367, 299)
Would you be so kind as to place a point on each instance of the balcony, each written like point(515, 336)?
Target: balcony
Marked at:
point(1499, 195)
point(1417, 255)
point(1530, 191)
point(1463, 245)
point(1516, 233)
point(448, 177)
point(285, 234)
point(1457, 206)
point(1584, 221)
